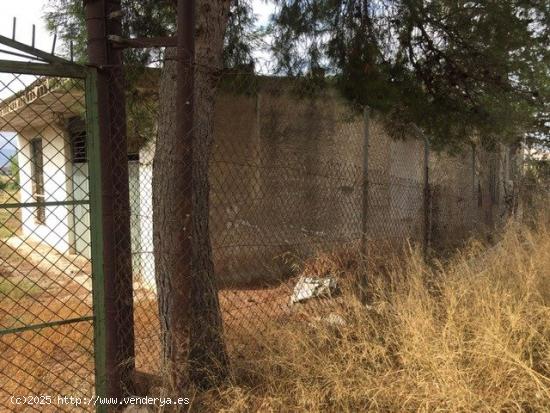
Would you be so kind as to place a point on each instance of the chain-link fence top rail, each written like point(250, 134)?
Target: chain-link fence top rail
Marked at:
point(288, 183)
point(46, 329)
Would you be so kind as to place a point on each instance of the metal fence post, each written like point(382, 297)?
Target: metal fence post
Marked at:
point(365, 204)
point(117, 296)
point(427, 199)
point(474, 203)
point(96, 221)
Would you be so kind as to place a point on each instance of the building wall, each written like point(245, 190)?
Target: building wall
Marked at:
point(57, 176)
point(395, 185)
point(287, 180)
point(135, 218)
point(143, 190)
point(66, 227)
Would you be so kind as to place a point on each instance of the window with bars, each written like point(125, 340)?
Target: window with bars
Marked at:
point(37, 178)
point(77, 133)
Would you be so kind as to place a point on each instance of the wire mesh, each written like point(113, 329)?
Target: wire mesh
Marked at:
point(396, 183)
point(454, 193)
point(295, 173)
point(534, 189)
point(46, 329)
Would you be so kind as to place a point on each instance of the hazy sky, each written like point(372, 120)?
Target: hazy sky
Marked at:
point(29, 12)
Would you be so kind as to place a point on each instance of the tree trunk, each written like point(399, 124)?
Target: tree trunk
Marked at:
point(192, 332)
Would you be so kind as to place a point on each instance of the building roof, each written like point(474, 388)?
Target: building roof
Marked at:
point(43, 102)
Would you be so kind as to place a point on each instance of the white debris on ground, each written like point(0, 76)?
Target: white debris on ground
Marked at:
point(335, 320)
point(311, 287)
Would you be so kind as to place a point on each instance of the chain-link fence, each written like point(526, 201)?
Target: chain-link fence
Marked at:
point(46, 318)
point(295, 173)
point(534, 193)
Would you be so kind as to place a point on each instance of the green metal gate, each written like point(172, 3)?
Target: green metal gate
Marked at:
point(52, 338)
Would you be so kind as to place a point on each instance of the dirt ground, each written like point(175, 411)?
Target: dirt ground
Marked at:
point(39, 285)
point(245, 313)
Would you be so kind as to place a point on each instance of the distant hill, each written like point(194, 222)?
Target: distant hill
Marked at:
point(8, 148)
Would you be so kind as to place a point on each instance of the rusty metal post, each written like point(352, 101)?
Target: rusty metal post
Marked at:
point(101, 21)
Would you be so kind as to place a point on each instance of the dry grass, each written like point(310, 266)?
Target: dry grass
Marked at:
point(48, 361)
point(468, 335)
point(471, 334)
point(10, 220)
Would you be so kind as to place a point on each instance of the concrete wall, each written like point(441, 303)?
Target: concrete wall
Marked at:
point(291, 171)
point(454, 196)
point(287, 178)
point(395, 185)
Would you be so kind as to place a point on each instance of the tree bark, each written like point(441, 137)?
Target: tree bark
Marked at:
point(207, 354)
point(192, 332)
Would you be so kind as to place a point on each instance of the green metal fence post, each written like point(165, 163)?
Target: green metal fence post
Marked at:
point(96, 218)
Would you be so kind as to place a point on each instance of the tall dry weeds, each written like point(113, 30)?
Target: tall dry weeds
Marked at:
point(468, 335)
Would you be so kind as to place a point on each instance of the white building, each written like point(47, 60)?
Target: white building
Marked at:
point(50, 133)
point(52, 166)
